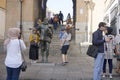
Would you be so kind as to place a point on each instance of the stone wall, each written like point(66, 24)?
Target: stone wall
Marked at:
point(3, 4)
point(2, 22)
point(81, 18)
point(13, 16)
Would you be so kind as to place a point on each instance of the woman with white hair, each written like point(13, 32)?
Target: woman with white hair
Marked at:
point(13, 60)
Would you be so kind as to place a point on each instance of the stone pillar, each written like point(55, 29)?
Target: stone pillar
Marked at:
point(13, 16)
point(2, 18)
point(2, 23)
point(80, 21)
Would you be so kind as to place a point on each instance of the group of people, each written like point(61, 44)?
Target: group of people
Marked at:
point(39, 35)
point(58, 19)
point(108, 45)
point(14, 47)
point(40, 38)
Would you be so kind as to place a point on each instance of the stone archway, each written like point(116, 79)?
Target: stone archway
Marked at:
point(42, 11)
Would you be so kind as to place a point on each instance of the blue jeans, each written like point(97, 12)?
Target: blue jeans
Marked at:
point(110, 65)
point(13, 73)
point(98, 65)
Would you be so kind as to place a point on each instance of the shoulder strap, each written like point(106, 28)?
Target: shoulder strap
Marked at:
point(21, 51)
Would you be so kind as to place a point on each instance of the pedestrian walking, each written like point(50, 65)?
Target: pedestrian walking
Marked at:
point(69, 19)
point(61, 18)
point(13, 60)
point(99, 41)
point(109, 50)
point(33, 51)
point(55, 22)
point(65, 45)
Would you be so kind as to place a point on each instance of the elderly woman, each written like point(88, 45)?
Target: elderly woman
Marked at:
point(13, 60)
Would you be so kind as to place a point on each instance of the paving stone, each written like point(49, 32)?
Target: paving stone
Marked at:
point(80, 66)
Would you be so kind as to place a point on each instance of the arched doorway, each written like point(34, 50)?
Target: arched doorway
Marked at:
point(42, 5)
point(41, 12)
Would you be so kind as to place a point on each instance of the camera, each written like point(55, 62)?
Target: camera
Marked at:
point(110, 37)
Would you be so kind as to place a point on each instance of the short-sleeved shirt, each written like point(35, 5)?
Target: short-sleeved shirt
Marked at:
point(66, 37)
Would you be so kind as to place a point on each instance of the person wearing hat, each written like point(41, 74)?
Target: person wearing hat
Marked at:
point(13, 47)
point(65, 43)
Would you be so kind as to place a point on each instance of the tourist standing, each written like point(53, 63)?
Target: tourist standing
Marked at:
point(99, 41)
point(13, 60)
point(65, 43)
point(109, 47)
point(33, 51)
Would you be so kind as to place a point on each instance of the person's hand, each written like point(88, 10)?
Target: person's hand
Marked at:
point(107, 39)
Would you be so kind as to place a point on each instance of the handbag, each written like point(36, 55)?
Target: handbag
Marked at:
point(24, 64)
point(92, 51)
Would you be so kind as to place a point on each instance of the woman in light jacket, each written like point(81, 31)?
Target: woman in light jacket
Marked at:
point(109, 47)
point(13, 60)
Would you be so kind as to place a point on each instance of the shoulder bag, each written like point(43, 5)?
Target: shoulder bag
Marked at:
point(92, 51)
point(24, 64)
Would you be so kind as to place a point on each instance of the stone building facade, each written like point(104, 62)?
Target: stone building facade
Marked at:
point(2, 18)
point(87, 15)
point(112, 14)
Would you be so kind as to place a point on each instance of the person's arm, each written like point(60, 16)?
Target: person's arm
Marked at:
point(23, 46)
point(96, 40)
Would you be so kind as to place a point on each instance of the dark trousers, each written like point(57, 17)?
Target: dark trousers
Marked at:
point(13, 73)
point(55, 24)
point(61, 20)
point(110, 65)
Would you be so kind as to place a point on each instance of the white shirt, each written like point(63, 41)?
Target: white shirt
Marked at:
point(66, 38)
point(14, 57)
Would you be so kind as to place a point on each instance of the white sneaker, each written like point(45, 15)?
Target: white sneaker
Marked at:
point(110, 76)
point(103, 75)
